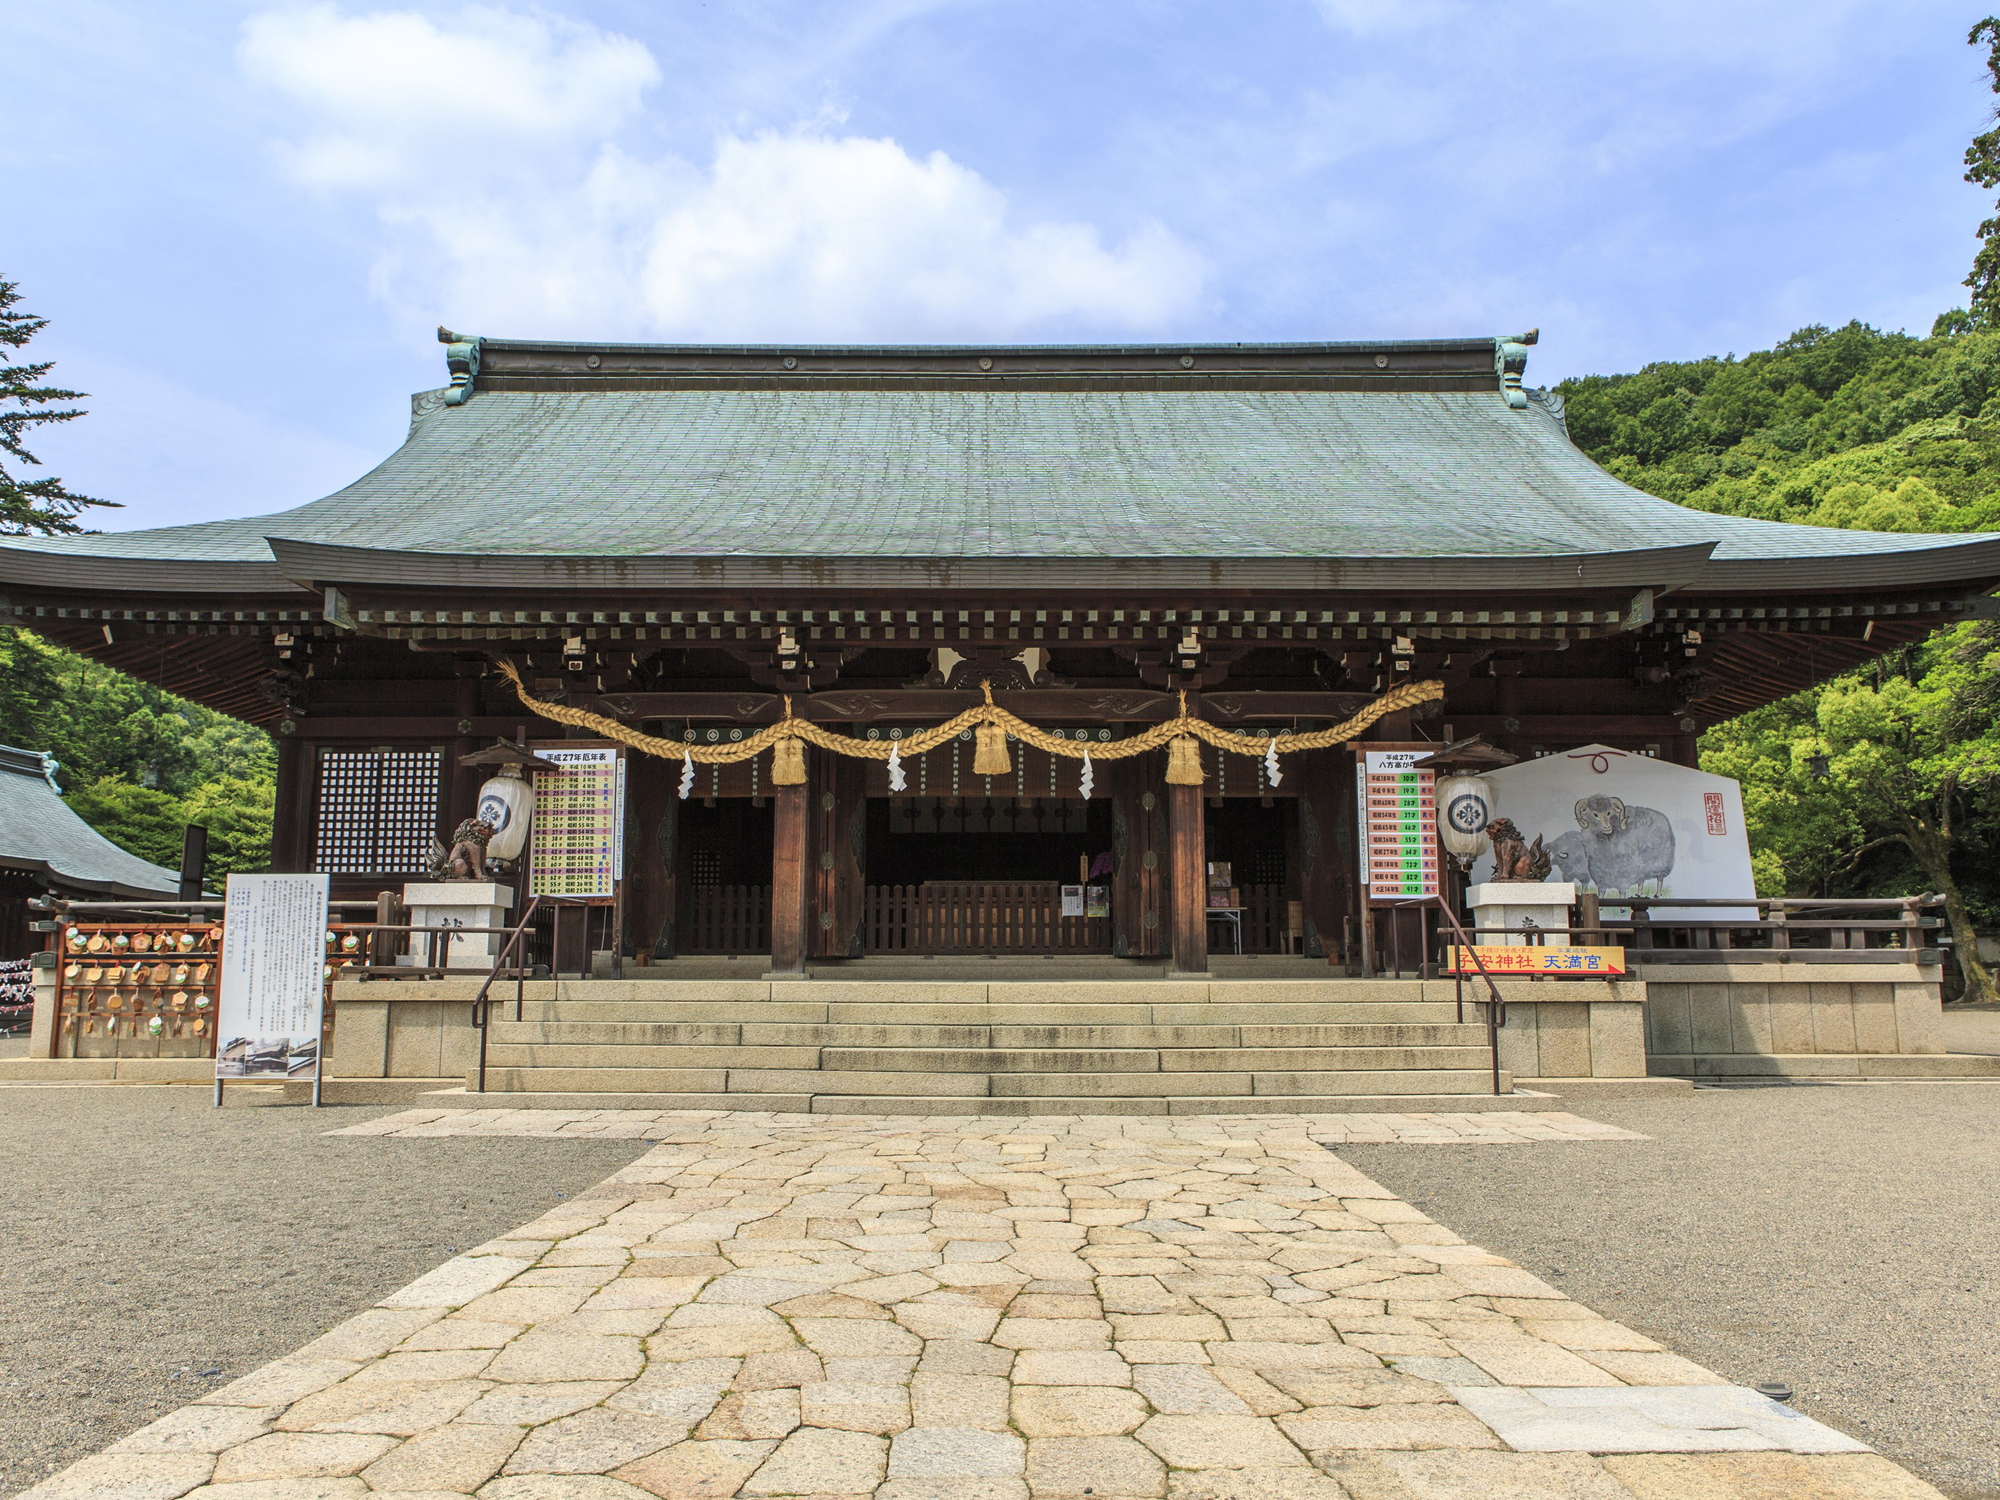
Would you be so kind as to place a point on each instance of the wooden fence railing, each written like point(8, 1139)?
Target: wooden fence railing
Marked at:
point(977, 917)
point(728, 919)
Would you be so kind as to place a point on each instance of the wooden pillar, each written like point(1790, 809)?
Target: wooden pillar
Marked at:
point(652, 844)
point(1326, 819)
point(462, 782)
point(1138, 841)
point(291, 831)
point(1187, 873)
point(791, 879)
point(840, 817)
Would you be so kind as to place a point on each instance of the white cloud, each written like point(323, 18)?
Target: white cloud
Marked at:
point(496, 151)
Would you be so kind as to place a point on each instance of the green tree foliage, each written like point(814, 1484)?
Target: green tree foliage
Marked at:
point(1872, 431)
point(1982, 167)
point(1833, 427)
point(1882, 780)
point(137, 763)
point(31, 505)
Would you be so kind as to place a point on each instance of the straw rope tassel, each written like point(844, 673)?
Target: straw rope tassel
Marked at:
point(788, 759)
point(989, 746)
point(992, 723)
point(1183, 759)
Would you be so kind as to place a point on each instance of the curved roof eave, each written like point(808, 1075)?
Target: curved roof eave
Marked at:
point(317, 566)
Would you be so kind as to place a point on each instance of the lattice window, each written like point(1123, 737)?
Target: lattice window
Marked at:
point(378, 811)
point(707, 869)
point(1267, 867)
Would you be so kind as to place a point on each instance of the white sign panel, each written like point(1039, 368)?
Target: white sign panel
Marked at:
point(1624, 824)
point(273, 976)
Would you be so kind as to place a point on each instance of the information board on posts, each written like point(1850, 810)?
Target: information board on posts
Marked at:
point(1398, 813)
point(273, 976)
point(576, 838)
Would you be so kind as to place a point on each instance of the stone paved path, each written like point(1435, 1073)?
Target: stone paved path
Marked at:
point(909, 1309)
point(1500, 1127)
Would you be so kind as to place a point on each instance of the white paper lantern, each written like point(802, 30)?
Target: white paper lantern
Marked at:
point(1465, 807)
point(506, 803)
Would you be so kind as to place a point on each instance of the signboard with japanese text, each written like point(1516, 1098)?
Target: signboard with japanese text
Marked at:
point(1398, 820)
point(1577, 963)
point(273, 976)
point(576, 838)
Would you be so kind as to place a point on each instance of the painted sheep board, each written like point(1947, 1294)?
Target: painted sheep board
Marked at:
point(1625, 824)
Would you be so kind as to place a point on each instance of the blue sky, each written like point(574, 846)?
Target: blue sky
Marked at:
point(245, 221)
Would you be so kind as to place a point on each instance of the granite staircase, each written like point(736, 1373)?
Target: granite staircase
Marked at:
point(1000, 1047)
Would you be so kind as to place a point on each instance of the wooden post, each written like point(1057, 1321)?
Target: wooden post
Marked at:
point(1326, 813)
point(652, 826)
point(791, 880)
point(1138, 839)
point(291, 837)
point(1187, 867)
point(840, 814)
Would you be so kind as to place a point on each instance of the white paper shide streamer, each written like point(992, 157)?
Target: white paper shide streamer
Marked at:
point(687, 774)
point(896, 779)
point(1084, 785)
point(1271, 763)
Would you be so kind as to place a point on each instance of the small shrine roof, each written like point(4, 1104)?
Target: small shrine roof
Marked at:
point(40, 833)
point(1319, 465)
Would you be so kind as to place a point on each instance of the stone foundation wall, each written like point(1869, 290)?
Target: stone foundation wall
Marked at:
point(424, 1032)
point(1738, 1018)
point(1573, 1028)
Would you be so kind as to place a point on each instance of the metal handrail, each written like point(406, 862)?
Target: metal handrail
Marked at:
point(1496, 1007)
point(481, 1005)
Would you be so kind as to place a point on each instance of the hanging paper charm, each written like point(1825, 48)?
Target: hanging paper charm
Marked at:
point(1271, 770)
point(896, 781)
point(687, 774)
point(1085, 785)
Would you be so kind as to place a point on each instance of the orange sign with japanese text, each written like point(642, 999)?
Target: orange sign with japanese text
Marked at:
point(1522, 959)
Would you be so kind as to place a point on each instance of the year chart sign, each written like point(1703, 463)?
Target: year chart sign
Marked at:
point(576, 838)
point(1399, 848)
point(273, 964)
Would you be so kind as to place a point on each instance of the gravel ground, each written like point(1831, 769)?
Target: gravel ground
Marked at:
point(1840, 1238)
point(156, 1247)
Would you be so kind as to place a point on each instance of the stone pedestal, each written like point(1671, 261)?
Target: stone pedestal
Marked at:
point(1522, 907)
point(452, 904)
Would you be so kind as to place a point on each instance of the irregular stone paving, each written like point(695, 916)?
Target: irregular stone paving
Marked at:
point(1500, 1127)
point(926, 1309)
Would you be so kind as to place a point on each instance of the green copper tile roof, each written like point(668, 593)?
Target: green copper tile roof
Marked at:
point(39, 833)
point(1015, 473)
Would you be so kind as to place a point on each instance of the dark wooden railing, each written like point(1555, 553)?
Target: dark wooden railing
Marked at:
point(728, 919)
point(977, 917)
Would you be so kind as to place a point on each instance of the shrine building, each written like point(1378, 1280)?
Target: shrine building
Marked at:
point(692, 543)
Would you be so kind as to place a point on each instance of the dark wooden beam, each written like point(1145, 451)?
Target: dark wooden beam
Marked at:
point(1037, 705)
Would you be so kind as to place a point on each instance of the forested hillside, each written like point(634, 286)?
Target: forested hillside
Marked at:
point(1880, 782)
point(138, 763)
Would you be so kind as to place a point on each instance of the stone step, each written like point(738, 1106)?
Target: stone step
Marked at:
point(1022, 991)
point(805, 1033)
point(1048, 1105)
point(1146, 1060)
point(946, 1086)
point(1203, 1013)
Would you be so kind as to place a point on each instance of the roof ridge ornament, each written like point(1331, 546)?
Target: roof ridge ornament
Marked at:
point(461, 357)
point(1510, 361)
